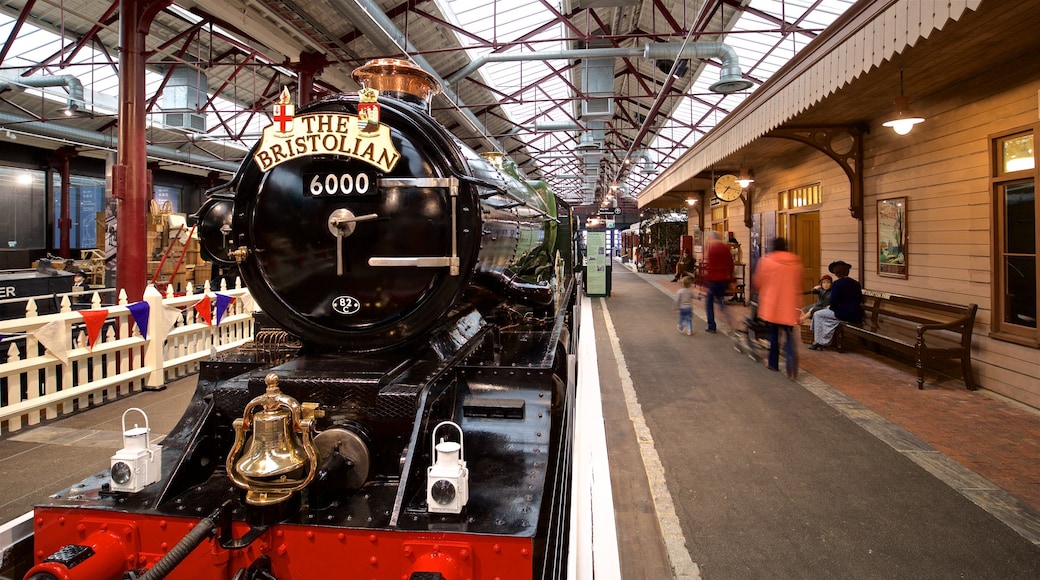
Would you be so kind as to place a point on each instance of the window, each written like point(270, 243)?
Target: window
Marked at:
point(720, 218)
point(86, 199)
point(1014, 242)
point(24, 201)
point(800, 197)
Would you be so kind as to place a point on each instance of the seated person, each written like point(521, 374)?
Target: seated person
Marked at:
point(79, 284)
point(846, 306)
point(684, 267)
point(823, 298)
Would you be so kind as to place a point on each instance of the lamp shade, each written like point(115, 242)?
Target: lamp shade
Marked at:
point(745, 178)
point(905, 118)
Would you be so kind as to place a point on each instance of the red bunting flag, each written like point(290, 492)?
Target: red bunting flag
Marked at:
point(94, 319)
point(204, 310)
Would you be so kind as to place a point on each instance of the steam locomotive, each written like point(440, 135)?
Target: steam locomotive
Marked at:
point(405, 410)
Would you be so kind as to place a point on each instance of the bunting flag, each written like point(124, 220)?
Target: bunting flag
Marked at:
point(139, 312)
point(94, 319)
point(248, 304)
point(204, 310)
point(223, 302)
point(54, 337)
point(171, 315)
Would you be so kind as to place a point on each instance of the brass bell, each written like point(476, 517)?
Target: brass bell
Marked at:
point(281, 457)
point(273, 450)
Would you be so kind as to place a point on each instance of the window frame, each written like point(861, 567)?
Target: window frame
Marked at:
point(999, 181)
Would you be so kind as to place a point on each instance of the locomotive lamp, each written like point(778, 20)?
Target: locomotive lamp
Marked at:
point(138, 463)
point(281, 458)
point(447, 480)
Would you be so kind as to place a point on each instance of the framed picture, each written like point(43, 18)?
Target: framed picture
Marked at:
point(891, 237)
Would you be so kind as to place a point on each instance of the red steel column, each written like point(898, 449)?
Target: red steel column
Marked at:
point(311, 64)
point(130, 176)
point(63, 155)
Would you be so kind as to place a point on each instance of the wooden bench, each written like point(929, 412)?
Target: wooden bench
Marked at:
point(926, 330)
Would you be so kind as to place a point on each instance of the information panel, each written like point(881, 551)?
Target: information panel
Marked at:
point(596, 264)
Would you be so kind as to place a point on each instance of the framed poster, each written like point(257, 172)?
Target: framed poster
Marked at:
point(891, 237)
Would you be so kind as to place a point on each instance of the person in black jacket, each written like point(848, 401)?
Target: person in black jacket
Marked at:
point(846, 306)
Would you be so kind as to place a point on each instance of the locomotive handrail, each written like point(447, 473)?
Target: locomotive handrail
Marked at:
point(502, 190)
point(418, 261)
point(452, 262)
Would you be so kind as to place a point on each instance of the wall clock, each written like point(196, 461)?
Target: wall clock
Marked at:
point(727, 188)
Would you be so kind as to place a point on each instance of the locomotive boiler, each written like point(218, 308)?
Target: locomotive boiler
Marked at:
point(405, 410)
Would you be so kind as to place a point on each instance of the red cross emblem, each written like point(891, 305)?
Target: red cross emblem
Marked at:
point(283, 116)
point(283, 112)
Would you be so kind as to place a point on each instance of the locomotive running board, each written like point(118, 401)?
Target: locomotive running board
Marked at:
point(452, 261)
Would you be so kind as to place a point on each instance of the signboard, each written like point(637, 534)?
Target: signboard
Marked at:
point(596, 264)
point(610, 211)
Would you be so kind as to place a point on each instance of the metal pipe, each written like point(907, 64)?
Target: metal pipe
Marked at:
point(561, 126)
point(75, 136)
point(730, 79)
point(73, 84)
point(380, 30)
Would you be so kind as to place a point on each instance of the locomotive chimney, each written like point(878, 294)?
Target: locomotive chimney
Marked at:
point(399, 79)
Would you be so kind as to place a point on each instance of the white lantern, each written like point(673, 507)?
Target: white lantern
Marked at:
point(447, 480)
point(138, 463)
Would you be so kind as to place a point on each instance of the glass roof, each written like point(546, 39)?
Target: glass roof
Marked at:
point(101, 83)
point(765, 36)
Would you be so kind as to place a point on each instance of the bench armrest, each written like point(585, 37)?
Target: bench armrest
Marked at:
point(953, 325)
point(962, 326)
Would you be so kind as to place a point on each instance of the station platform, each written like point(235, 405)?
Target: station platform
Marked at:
point(848, 472)
point(721, 469)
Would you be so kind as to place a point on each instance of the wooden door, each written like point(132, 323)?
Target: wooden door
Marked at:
point(805, 241)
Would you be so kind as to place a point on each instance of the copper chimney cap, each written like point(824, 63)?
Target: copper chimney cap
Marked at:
point(397, 77)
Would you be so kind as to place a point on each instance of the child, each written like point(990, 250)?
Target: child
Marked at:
point(823, 299)
point(684, 303)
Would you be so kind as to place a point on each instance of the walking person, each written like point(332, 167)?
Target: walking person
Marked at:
point(684, 304)
point(846, 306)
point(778, 281)
point(718, 275)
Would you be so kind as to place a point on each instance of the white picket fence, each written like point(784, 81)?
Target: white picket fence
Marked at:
point(36, 384)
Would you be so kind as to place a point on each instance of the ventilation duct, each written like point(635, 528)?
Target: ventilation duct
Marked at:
point(71, 83)
point(649, 167)
point(594, 136)
point(553, 126)
point(730, 79)
point(597, 81)
point(72, 135)
point(379, 29)
point(184, 95)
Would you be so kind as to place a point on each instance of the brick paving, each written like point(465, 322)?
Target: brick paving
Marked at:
point(997, 439)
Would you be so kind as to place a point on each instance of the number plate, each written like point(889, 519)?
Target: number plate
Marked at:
point(339, 184)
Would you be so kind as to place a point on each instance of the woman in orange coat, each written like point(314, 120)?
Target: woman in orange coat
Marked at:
point(778, 280)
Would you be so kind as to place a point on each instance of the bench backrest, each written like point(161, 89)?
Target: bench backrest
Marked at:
point(959, 317)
